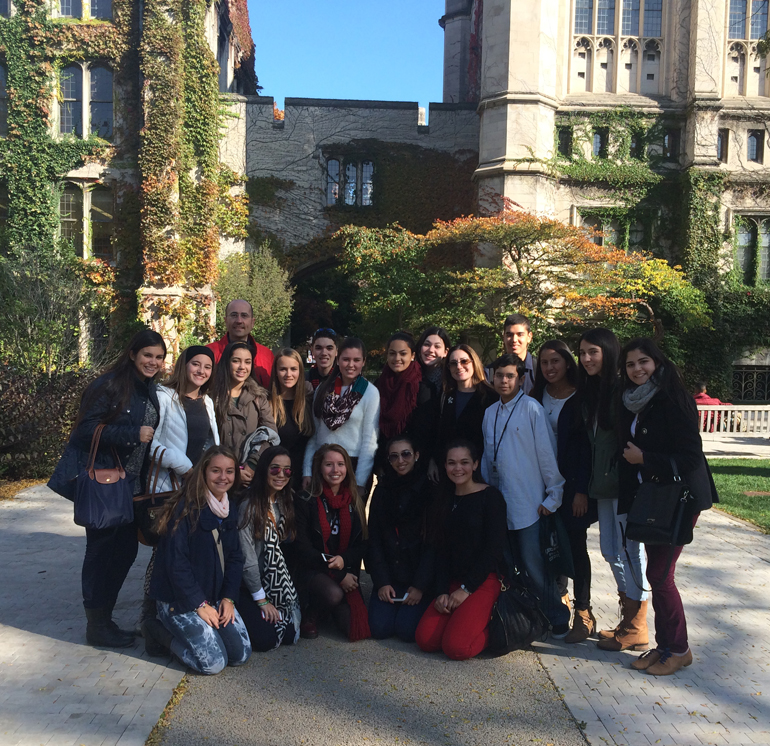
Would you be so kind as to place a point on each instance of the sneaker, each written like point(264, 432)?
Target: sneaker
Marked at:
point(559, 631)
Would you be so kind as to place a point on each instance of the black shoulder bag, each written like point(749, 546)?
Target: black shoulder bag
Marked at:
point(516, 619)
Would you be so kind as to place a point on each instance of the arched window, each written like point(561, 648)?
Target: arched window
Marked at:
point(351, 183)
point(71, 101)
point(102, 222)
point(101, 9)
point(70, 8)
point(755, 146)
point(3, 101)
point(332, 181)
point(71, 216)
point(367, 183)
point(101, 102)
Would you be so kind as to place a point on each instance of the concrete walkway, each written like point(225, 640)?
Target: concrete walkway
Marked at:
point(737, 447)
point(55, 689)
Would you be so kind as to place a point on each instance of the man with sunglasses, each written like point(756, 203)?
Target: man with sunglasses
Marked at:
point(239, 321)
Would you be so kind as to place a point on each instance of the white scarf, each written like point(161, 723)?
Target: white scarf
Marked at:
point(220, 508)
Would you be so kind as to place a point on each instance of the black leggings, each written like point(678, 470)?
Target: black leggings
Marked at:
point(326, 597)
point(263, 634)
point(578, 538)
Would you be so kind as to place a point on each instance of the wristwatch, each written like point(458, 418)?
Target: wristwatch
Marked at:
point(462, 587)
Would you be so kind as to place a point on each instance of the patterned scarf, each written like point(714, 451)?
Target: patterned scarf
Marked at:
point(341, 502)
point(277, 581)
point(338, 408)
point(398, 398)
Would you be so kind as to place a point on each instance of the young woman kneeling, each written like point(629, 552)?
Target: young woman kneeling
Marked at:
point(472, 532)
point(198, 570)
point(268, 599)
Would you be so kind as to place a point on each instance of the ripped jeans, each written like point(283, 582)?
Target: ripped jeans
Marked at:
point(202, 648)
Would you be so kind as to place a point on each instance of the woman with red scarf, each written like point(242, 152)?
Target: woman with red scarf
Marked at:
point(330, 544)
point(408, 405)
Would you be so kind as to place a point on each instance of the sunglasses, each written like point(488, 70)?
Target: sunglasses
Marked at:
point(276, 470)
point(325, 332)
point(456, 363)
point(405, 455)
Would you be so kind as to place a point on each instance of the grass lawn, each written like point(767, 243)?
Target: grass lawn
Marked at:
point(733, 477)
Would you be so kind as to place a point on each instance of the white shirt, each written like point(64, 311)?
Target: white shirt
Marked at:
point(528, 475)
point(553, 407)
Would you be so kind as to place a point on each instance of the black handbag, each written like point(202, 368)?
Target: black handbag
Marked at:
point(662, 513)
point(555, 547)
point(516, 619)
point(103, 497)
point(147, 507)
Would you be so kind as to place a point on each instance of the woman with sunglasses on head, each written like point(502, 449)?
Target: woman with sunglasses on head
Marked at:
point(323, 348)
point(124, 400)
point(329, 547)
point(466, 396)
point(408, 405)
point(398, 558)
point(555, 384)
point(291, 400)
point(660, 432)
point(242, 407)
point(198, 571)
point(432, 349)
point(598, 394)
point(268, 600)
point(471, 531)
point(346, 408)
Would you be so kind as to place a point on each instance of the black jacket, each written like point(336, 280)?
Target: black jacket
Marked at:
point(304, 554)
point(470, 547)
point(122, 433)
point(398, 552)
point(468, 425)
point(573, 454)
point(666, 429)
point(187, 568)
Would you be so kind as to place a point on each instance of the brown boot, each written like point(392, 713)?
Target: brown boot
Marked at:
point(608, 634)
point(633, 633)
point(583, 626)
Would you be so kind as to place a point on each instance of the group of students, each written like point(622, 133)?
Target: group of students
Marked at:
point(267, 533)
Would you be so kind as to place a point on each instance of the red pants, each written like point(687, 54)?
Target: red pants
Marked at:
point(463, 633)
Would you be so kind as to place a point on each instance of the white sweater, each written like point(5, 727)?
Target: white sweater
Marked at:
point(171, 434)
point(358, 436)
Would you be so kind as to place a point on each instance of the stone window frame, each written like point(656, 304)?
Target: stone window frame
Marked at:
point(752, 257)
point(618, 46)
point(741, 49)
point(723, 145)
point(755, 141)
point(85, 101)
point(349, 182)
point(85, 12)
point(83, 233)
point(615, 231)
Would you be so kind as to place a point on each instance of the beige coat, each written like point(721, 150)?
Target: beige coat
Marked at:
point(252, 411)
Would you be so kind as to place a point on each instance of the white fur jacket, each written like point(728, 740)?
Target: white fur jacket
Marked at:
point(171, 434)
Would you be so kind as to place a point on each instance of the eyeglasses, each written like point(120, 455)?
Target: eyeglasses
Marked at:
point(465, 362)
point(276, 470)
point(405, 455)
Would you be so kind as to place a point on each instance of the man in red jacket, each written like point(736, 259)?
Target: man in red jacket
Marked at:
point(239, 321)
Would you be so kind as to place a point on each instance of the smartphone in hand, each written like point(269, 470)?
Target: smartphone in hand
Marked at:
point(402, 599)
point(327, 557)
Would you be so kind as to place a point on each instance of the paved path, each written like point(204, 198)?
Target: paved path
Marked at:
point(737, 447)
point(55, 689)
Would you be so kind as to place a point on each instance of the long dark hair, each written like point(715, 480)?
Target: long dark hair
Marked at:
point(433, 331)
point(666, 374)
point(572, 370)
point(117, 383)
point(350, 343)
point(177, 381)
point(597, 395)
point(194, 492)
point(257, 512)
point(220, 391)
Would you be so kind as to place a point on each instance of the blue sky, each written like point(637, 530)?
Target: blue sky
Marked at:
point(390, 50)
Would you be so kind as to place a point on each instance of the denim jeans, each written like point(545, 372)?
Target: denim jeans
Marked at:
point(628, 577)
point(387, 620)
point(524, 545)
point(205, 649)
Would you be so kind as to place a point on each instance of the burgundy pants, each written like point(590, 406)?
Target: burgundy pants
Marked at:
point(670, 624)
point(463, 633)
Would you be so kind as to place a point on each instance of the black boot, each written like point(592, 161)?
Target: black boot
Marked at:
point(148, 611)
point(102, 632)
point(157, 639)
point(113, 625)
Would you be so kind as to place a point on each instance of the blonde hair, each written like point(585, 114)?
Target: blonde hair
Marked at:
point(317, 482)
point(300, 410)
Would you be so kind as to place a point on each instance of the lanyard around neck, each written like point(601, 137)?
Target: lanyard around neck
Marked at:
point(497, 443)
